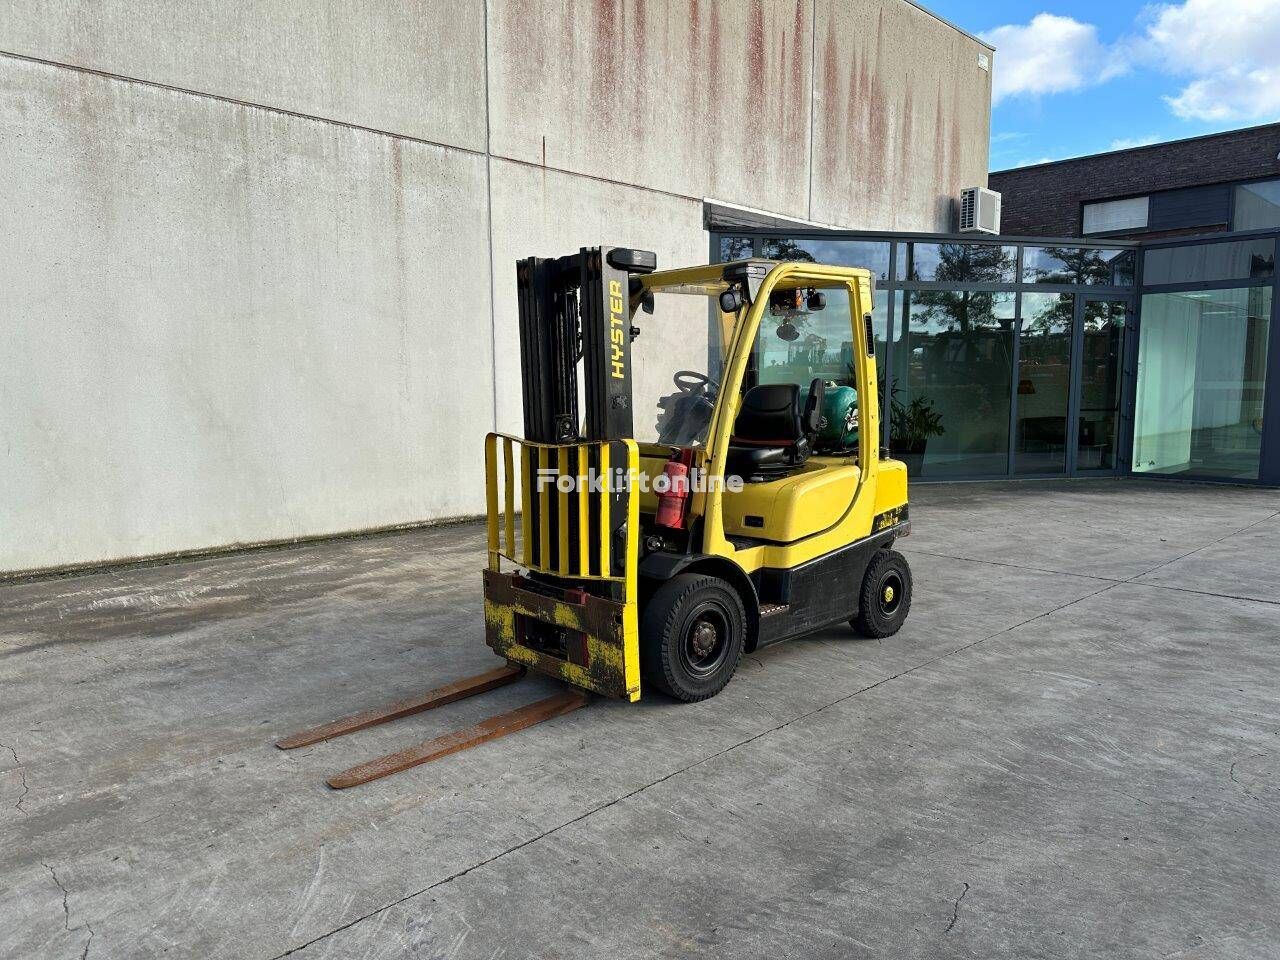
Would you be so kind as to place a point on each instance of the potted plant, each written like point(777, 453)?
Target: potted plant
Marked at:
point(911, 425)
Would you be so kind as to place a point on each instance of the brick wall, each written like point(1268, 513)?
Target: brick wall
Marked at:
point(1045, 200)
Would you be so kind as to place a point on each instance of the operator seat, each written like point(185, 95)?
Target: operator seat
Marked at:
point(773, 436)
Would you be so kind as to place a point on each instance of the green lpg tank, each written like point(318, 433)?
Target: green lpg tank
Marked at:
point(840, 419)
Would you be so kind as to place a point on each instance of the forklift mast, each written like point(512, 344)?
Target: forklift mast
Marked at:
point(571, 308)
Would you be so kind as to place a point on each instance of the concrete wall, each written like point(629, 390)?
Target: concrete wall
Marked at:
point(254, 245)
point(902, 116)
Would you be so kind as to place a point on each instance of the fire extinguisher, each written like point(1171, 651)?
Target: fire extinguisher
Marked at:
point(673, 500)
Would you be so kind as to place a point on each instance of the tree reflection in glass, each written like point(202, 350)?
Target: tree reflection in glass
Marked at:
point(960, 359)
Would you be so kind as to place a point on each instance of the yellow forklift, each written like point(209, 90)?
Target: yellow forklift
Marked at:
point(700, 476)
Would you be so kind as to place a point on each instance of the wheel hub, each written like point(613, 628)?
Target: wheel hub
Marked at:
point(703, 640)
point(891, 588)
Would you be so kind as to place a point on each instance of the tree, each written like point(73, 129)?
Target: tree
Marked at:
point(964, 263)
point(1077, 265)
point(784, 248)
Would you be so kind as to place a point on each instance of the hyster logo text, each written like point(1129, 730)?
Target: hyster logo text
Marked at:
point(617, 330)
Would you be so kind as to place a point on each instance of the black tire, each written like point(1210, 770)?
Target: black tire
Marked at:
point(885, 598)
point(692, 633)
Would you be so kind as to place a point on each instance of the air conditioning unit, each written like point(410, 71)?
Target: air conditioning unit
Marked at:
point(979, 210)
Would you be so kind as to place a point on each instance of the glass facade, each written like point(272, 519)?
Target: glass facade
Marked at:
point(1102, 346)
point(1078, 265)
point(1008, 359)
point(736, 248)
point(957, 263)
point(1044, 382)
point(958, 358)
point(1253, 259)
point(1201, 382)
point(1257, 206)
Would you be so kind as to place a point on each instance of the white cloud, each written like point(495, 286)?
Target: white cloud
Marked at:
point(1050, 54)
point(1227, 51)
point(1036, 161)
point(1201, 36)
point(1126, 143)
point(1231, 51)
point(1231, 95)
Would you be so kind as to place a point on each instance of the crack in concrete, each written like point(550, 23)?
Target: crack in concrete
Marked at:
point(1206, 546)
point(1202, 593)
point(22, 773)
point(1134, 580)
point(66, 912)
point(1234, 779)
point(1015, 566)
point(955, 910)
point(675, 773)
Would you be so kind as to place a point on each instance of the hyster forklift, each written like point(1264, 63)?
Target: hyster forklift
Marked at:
point(700, 475)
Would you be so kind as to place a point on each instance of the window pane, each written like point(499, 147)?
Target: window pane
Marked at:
point(1241, 260)
point(1202, 359)
point(734, 248)
point(1078, 265)
point(1257, 205)
point(951, 416)
point(824, 349)
point(898, 372)
point(1116, 215)
point(872, 254)
point(961, 263)
point(1101, 364)
point(666, 412)
point(1044, 382)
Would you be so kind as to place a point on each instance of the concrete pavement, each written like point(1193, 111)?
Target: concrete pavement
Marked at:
point(1069, 751)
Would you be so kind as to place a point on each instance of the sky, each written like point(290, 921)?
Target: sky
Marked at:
point(1074, 77)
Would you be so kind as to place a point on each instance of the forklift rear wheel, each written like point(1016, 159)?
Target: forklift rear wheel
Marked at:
point(885, 599)
point(692, 634)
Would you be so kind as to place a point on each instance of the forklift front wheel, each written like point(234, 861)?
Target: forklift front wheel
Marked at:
point(885, 599)
point(692, 634)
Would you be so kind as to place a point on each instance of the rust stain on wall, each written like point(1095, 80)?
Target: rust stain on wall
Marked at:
point(755, 48)
point(800, 52)
point(877, 108)
point(904, 157)
point(604, 66)
point(939, 140)
point(653, 92)
point(831, 157)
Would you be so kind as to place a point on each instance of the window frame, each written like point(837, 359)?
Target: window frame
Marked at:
point(1115, 231)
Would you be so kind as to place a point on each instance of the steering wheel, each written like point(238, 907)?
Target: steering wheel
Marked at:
point(691, 381)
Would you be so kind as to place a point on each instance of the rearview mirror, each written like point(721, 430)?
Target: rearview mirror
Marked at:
point(788, 332)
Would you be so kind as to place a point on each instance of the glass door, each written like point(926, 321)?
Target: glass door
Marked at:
point(1101, 323)
point(1046, 346)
